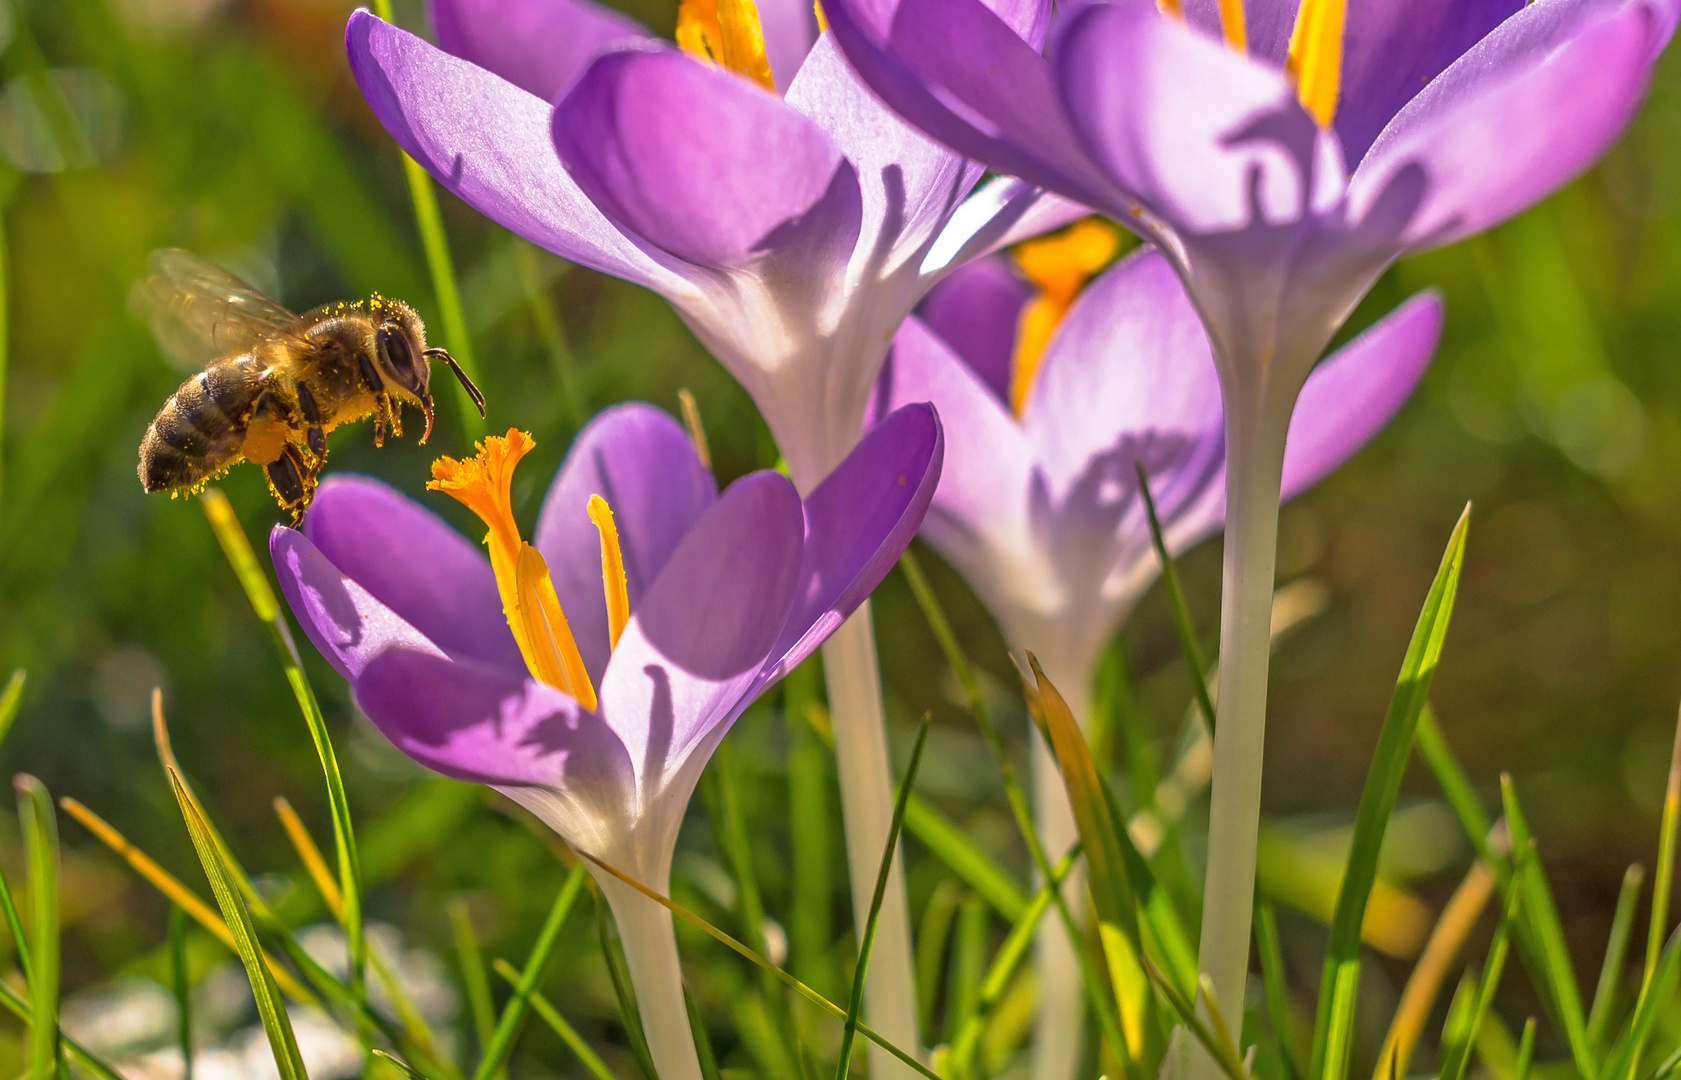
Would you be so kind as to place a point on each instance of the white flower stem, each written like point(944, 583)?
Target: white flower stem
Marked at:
point(1061, 1021)
point(650, 945)
point(1255, 459)
point(853, 678)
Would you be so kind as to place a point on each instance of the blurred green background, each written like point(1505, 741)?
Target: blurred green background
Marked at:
point(231, 127)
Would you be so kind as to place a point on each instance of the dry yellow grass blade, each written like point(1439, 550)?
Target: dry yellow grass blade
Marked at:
point(1463, 909)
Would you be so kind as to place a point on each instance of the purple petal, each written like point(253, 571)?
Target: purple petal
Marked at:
point(966, 76)
point(1208, 139)
point(491, 726)
point(1552, 88)
point(488, 142)
point(1391, 51)
point(1358, 389)
point(790, 29)
point(695, 645)
point(987, 464)
point(415, 563)
point(538, 45)
point(348, 625)
point(909, 183)
point(704, 163)
point(975, 311)
point(641, 461)
point(1128, 376)
point(858, 522)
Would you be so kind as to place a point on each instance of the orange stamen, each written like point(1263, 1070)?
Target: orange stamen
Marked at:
point(726, 32)
point(1059, 265)
point(483, 484)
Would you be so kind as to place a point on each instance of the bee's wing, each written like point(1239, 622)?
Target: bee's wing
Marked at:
point(200, 312)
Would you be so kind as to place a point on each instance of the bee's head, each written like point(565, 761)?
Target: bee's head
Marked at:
point(400, 346)
point(405, 361)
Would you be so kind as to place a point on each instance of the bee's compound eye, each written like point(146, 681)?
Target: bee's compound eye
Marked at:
point(399, 356)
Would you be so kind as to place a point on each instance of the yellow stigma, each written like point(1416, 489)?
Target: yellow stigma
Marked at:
point(1316, 57)
point(1059, 266)
point(727, 33)
point(822, 19)
point(483, 484)
point(612, 569)
point(1231, 24)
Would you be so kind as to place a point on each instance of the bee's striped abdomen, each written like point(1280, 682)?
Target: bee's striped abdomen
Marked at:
point(201, 427)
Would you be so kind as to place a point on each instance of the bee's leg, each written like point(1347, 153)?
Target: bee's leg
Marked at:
point(291, 480)
point(382, 409)
point(316, 438)
point(396, 415)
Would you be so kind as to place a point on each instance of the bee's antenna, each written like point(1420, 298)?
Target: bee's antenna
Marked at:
point(466, 383)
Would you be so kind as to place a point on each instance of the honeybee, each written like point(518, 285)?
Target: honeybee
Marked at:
point(273, 383)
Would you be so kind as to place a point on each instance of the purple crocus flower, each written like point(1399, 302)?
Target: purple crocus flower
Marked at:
point(1039, 508)
point(789, 225)
point(1040, 511)
point(1280, 171)
point(663, 617)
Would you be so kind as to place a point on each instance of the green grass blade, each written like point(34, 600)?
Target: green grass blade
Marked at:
point(965, 858)
point(1654, 999)
point(474, 979)
point(968, 965)
point(40, 837)
point(1002, 970)
point(236, 546)
point(180, 984)
point(849, 1031)
point(399, 1064)
point(501, 1043)
point(1662, 880)
point(703, 1041)
point(1334, 1019)
point(1546, 935)
point(811, 866)
point(1616, 954)
point(1460, 1056)
point(1526, 1050)
point(1456, 1028)
point(14, 923)
point(435, 241)
point(587, 1057)
point(12, 696)
point(1272, 974)
point(1456, 786)
point(270, 1008)
point(933, 934)
point(619, 972)
point(1176, 598)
